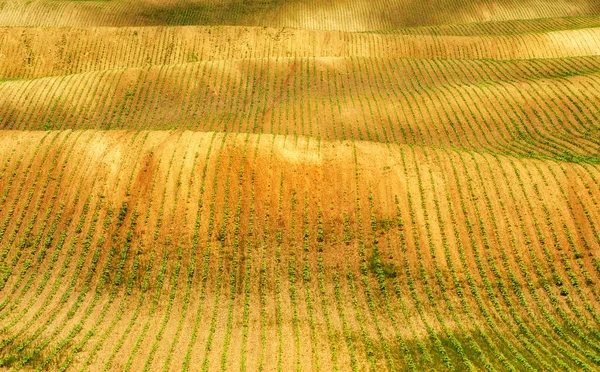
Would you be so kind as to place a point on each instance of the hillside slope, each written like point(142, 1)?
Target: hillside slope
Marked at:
point(535, 108)
point(154, 248)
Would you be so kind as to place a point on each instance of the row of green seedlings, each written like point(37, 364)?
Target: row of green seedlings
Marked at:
point(471, 342)
point(206, 254)
point(41, 242)
point(42, 254)
point(114, 290)
point(174, 278)
point(530, 343)
point(262, 269)
point(176, 269)
point(257, 101)
point(320, 235)
point(27, 242)
point(58, 281)
point(134, 274)
point(263, 266)
point(292, 278)
point(368, 292)
point(306, 277)
point(144, 289)
point(221, 237)
point(105, 276)
point(47, 273)
point(247, 257)
point(530, 336)
point(193, 253)
point(455, 344)
point(526, 276)
point(557, 278)
point(250, 244)
point(277, 274)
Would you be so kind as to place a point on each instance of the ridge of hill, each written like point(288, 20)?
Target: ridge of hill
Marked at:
point(343, 15)
point(37, 52)
point(527, 108)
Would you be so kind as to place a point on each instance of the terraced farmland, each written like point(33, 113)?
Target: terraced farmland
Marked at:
point(299, 185)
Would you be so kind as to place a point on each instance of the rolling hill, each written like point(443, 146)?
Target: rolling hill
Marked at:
point(299, 185)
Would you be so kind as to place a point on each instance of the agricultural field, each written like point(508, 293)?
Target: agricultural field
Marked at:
point(299, 185)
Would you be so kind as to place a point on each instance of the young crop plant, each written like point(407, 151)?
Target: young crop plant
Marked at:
point(248, 272)
point(206, 255)
point(37, 241)
point(306, 271)
point(292, 278)
point(322, 290)
point(488, 286)
point(539, 272)
point(221, 237)
point(48, 241)
point(195, 242)
point(365, 281)
point(378, 267)
point(236, 247)
point(177, 269)
point(278, 296)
